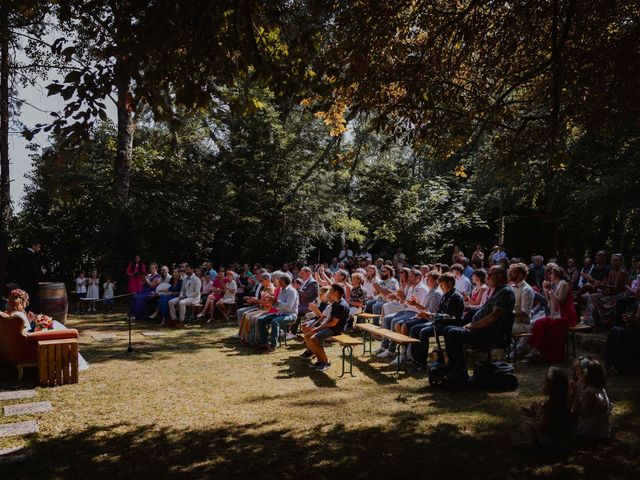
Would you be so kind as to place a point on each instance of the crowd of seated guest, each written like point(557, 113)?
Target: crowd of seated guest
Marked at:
point(545, 299)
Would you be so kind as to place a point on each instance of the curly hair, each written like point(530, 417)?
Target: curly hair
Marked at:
point(18, 300)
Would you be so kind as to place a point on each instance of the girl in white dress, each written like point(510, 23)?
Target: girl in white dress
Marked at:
point(93, 290)
point(108, 289)
point(81, 289)
point(229, 298)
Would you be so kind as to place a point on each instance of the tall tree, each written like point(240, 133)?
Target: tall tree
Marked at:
point(17, 18)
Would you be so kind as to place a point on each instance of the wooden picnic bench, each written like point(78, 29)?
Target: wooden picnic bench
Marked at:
point(347, 343)
point(368, 331)
point(368, 317)
point(401, 340)
point(514, 344)
point(579, 328)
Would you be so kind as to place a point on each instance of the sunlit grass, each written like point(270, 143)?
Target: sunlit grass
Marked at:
point(203, 404)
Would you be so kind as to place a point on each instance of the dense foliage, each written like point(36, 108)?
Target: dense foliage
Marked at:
point(274, 130)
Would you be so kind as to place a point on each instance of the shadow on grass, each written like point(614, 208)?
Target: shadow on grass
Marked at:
point(296, 367)
point(263, 450)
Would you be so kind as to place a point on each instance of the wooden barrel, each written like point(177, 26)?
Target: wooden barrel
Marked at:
point(52, 300)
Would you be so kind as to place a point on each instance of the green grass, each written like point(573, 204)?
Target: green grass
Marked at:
point(204, 406)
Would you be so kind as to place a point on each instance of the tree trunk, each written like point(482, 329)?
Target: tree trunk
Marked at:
point(126, 125)
point(126, 129)
point(5, 185)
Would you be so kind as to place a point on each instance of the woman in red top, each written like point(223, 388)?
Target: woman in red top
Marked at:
point(549, 334)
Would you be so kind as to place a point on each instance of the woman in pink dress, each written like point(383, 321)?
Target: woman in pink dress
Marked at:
point(549, 334)
point(136, 271)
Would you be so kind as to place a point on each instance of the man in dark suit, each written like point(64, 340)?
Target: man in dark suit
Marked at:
point(29, 269)
point(307, 293)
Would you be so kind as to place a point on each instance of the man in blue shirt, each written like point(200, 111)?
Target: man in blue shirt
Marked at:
point(287, 305)
point(486, 326)
point(334, 325)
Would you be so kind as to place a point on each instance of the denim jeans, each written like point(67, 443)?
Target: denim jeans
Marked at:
point(390, 321)
point(262, 323)
point(374, 306)
point(276, 321)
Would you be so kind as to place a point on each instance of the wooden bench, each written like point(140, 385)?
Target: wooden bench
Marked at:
point(193, 310)
point(347, 343)
point(58, 362)
point(368, 317)
point(401, 340)
point(579, 328)
point(368, 330)
point(514, 344)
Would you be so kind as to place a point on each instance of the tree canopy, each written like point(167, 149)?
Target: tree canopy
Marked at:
point(276, 129)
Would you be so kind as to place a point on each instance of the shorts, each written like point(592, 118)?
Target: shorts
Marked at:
point(82, 295)
point(323, 334)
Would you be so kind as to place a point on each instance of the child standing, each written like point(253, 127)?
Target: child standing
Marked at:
point(550, 427)
point(81, 289)
point(93, 290)
point(108, 292)
point(591, 404)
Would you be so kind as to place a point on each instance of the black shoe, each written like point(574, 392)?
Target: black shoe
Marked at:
point(315, 365)
point(323, 366)
point(306, 354)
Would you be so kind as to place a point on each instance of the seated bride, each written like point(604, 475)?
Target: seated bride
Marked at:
point(17, 307)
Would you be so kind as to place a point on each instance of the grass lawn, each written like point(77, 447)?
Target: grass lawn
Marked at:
point(204, 406)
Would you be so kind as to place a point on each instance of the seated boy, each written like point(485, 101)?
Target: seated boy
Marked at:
point(334, 325)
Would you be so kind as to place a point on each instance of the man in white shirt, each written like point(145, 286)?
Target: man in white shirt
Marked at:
point(524, 302)
point(463, 284)
point(346, 254)
point(189, 295)
point(417, 295)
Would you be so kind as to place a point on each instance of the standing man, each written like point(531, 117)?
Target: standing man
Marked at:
point(29, 270)
point(346, 254)
point(189, 295)
point(307, 293)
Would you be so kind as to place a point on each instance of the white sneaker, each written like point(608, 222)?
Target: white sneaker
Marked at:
point(291, 336)
point(386, 354)
point(398, 360)
point(379, 350)
point(235, 335)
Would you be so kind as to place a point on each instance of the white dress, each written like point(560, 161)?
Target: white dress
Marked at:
point(93, 290)
point(230, 292)
point(108, 290)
